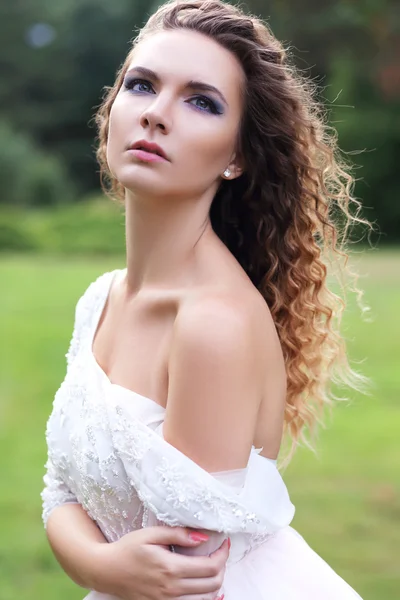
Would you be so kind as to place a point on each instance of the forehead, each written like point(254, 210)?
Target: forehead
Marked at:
point(182, 55)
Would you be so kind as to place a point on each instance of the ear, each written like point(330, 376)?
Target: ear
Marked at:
point(235, 168)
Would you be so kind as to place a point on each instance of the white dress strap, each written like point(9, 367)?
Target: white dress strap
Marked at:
point(85, 310)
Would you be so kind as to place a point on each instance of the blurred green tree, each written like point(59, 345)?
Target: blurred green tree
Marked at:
point(51, 88)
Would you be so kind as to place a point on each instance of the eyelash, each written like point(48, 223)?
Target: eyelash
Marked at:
point(130, 83)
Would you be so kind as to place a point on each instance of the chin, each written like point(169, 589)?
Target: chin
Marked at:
point(145, 181)
point(144, 186)
point(138, 178)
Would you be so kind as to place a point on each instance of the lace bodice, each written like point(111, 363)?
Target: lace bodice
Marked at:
point(106, 451)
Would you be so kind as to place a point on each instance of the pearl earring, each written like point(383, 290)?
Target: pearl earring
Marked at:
point(227, 172)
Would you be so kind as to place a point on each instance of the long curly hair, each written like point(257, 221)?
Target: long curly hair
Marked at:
point(288, 216)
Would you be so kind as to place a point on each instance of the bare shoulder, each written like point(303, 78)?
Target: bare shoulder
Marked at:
point(216, 318)
point(221, 342)
point(238, 316)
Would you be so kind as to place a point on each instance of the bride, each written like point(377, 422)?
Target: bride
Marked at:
point(188, 368)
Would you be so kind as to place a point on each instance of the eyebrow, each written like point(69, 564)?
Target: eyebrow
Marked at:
point(195, 85)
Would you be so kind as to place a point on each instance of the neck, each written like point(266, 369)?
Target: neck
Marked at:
point(163, 241)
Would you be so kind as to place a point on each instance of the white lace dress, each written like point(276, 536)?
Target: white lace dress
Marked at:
point(106, 452)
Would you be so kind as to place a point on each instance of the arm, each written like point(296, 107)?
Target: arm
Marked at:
point(217, 370)
point(216, 382)
point(72, 535)
point(75, 539)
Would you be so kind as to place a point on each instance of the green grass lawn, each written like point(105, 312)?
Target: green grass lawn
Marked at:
point(347, 497)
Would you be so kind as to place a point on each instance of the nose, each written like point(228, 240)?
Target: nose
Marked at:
point(156, 116)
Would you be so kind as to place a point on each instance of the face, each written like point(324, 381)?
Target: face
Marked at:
point(181, 91)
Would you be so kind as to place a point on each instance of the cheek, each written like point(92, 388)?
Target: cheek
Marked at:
point(110, 154)
point(213, 145)
point(116, 138)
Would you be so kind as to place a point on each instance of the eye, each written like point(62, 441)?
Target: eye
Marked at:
point(139, 84)
point(206, 105)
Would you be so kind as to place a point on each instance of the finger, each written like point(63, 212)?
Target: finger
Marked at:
point(201, 566)
point(211, 596)
point(223, 549)
point(193, 587)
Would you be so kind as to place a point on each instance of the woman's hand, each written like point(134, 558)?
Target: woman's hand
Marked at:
point(141, 566)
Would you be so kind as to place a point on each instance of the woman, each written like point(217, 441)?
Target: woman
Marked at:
point(185, 368)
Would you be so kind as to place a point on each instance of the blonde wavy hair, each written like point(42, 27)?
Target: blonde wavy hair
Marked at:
point(288, 217)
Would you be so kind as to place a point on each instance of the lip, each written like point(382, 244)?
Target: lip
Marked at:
point(147, 151)
point(146, 156)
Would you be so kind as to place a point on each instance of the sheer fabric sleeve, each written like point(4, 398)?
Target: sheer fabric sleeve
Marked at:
point(56, 492)
point(235, 479)
point(180, 493)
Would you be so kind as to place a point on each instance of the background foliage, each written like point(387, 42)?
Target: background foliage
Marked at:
point(58, 56)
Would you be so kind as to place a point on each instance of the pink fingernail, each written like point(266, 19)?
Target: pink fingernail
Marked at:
point(198, 537)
